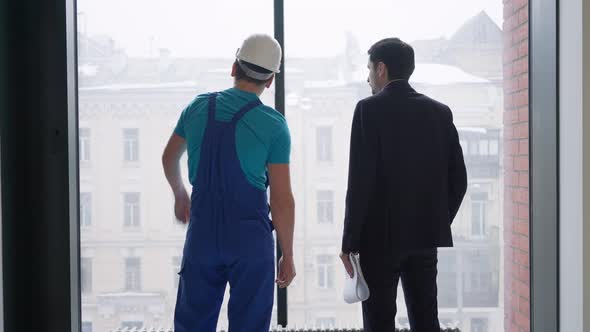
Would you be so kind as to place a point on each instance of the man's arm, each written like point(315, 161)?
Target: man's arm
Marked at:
point(362, 173)
point(171, 163)
point(282, 205)
point(457, 172)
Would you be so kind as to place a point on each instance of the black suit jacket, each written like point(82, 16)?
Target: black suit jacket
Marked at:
point(407, 175)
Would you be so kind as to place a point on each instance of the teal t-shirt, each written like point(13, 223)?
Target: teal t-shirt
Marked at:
point(262, 135)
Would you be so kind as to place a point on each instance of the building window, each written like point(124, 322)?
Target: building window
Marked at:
point(325, 323)
point(325, 271)
point(132, 274)
point(86, 326)
point(131, 214)
point(474, 148)
point(494, 147)
point(85, 209)
point(477, 282)
point(84, 134)
point(131, 144)
point(324, 144)
point(325, 200)
point(175, 269)
point(478, 214)
point(484, 148)
point(131, 325)
point(479, 325)
point(447, 279)
point(86, 275)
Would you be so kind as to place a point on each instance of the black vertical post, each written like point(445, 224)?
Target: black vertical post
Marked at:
point(279, 32)
point(544, 174)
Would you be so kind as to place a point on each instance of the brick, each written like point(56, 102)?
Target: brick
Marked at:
point(521, 227)
point(520, 33)
point(521, 163)
point(511, 22)
point(508, 100)
point(521, 65)
point(521, 258)
point(521, 130)
point(523, 196)
point(521, 99)
point(514, 299)
point(508, 10)
point(519, 4)
point(507, 70)
point(521, 320)
point(523, 15)
point(508, 162)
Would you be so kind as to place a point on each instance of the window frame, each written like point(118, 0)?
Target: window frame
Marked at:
point(544, 150)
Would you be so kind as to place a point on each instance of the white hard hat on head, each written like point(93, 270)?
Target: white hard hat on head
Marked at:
point(263, 51)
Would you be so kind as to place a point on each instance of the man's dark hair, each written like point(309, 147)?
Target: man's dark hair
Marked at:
point(397, 56)
point(241, 75)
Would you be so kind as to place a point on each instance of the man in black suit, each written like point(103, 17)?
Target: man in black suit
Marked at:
point(406, 181)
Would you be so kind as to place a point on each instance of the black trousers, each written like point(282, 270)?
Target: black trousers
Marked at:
point(417, 271)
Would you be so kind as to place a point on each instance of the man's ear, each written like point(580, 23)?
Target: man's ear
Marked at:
point(269, 82)
point(234, 68)
point(381, 69)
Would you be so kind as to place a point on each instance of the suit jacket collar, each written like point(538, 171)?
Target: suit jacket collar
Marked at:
point(397, 85)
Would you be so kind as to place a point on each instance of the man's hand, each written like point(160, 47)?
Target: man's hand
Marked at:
point(286, 272)
point(347, 264)
point(182, 207)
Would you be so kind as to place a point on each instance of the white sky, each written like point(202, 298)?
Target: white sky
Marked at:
point(312, 27)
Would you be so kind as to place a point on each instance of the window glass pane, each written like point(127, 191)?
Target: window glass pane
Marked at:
point(86, 275)
point(325, 205)
point(140, 63)
point(494, 147)
point(84, 144)
point(324, 143)
point(85, 209)
point(132, 274)
point(484, 148)
point(131, 206)
point(131, 144)
point(459, 61)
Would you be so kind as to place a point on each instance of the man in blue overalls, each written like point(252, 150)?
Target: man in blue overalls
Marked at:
point(236, 147)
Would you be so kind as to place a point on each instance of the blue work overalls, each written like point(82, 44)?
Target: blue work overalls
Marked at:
point(229, 239)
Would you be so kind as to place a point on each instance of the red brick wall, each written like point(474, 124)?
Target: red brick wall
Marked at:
point(516, 164)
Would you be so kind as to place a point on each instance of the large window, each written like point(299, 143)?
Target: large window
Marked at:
point(459, 61)
point(132, 274)
point(478, 214)
point(325, 268)
point(135, 80)
point(131, 208)
point(325, 206)
point(324, 144)
point(131, 144)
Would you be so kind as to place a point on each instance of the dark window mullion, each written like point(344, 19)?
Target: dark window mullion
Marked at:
point(279, 34)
